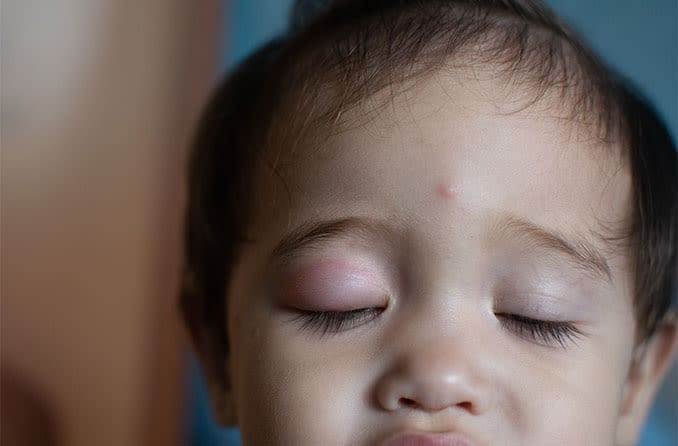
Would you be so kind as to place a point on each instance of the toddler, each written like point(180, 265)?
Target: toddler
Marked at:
point(432, 223)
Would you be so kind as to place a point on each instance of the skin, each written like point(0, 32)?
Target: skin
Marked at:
point(439, 187)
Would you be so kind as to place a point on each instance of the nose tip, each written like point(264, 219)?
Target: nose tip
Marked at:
point(431, 395)
point(432, 384)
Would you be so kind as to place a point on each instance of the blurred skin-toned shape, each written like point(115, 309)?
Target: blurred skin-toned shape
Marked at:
point(450, 224)
point(97, 102)
point(27, 418)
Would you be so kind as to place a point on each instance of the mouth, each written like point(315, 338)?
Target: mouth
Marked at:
point(422, 439)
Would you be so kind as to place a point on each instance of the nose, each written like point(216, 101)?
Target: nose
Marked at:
point(433, 378)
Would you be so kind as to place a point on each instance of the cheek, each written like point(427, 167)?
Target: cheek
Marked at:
point(576, 402)
point(283, 384)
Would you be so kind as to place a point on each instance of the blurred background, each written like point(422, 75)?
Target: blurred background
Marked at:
point(97, 102)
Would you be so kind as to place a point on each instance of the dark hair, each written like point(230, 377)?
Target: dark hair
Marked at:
point(353, 49)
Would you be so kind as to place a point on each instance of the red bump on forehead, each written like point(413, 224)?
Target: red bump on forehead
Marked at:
point(446, 191)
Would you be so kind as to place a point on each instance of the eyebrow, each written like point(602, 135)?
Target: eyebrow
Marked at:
point(313, 232)
point(578, 249)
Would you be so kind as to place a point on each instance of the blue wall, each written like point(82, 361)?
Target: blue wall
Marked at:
point(639, 38)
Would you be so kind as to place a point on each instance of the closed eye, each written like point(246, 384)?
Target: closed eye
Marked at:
point(546, 333)
point(328, 322)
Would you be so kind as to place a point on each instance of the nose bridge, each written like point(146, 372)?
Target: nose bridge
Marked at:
point(438, 360)
point(446, 318)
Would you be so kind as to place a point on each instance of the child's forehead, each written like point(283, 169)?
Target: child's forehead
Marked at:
point(479, 94)
point(452, 144)
point(438, 115)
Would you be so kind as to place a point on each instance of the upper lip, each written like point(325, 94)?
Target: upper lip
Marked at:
point(412, 438)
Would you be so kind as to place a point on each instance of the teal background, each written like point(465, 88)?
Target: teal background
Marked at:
point(638, 38)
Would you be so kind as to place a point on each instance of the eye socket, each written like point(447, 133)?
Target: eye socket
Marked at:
point(542, 332)
point(328, 322)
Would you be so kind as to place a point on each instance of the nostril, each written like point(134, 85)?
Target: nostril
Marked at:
point(466, 405)
point(413, 404)
point(407, 402)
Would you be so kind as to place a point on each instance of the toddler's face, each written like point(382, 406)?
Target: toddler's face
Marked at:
point(440, 268)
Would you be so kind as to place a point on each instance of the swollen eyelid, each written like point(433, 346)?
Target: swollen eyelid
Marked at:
point(332, 286)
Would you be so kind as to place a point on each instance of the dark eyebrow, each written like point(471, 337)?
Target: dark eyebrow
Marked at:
point(582, 252)
point(578, 249)
point(313, 232)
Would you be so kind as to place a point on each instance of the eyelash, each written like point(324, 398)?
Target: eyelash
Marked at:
point(324, 322)
point(545, 333)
